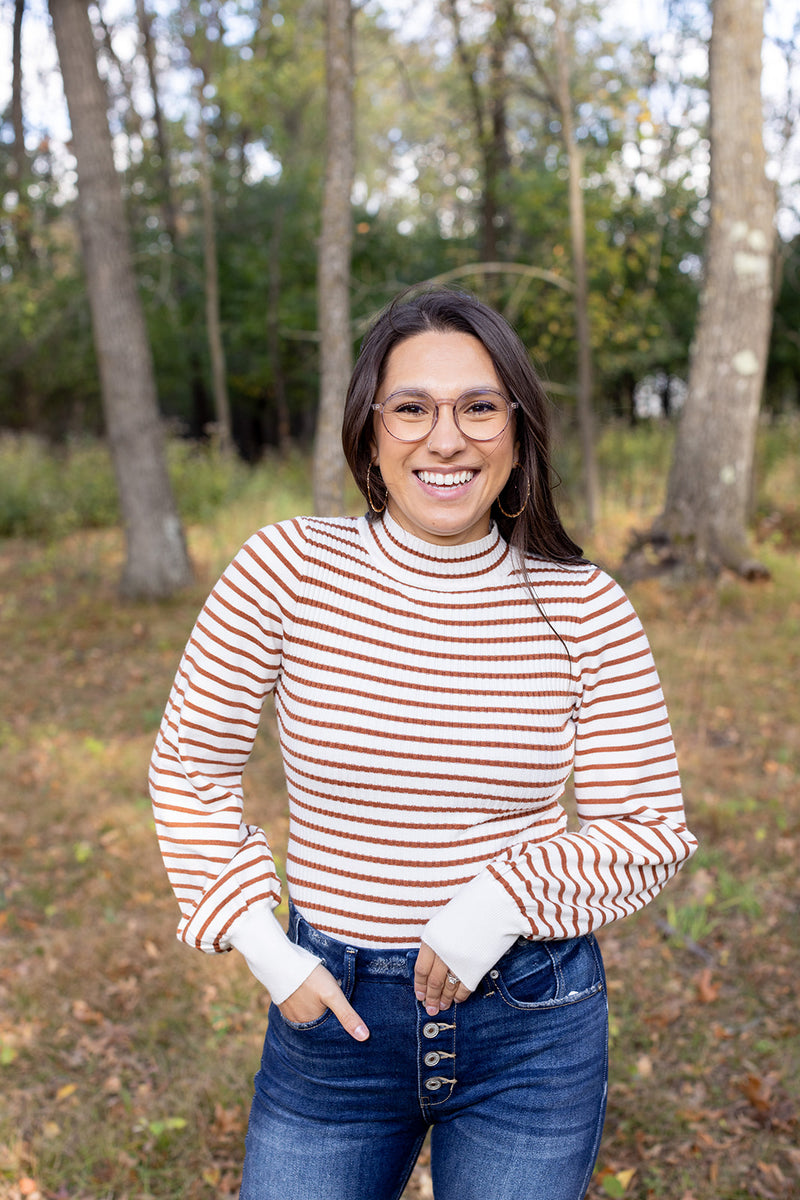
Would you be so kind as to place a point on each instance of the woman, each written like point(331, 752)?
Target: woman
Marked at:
point(440, 667)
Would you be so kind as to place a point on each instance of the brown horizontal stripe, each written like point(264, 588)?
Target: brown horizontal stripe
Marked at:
point(305, 605)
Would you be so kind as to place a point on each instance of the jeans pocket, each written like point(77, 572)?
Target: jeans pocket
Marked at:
point(301, 1026)
point(344, 972)
point(550, 974)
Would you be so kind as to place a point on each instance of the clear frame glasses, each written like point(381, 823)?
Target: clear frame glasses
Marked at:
point(480, 414)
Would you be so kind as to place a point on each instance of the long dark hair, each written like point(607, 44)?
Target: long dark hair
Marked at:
point(537, 529)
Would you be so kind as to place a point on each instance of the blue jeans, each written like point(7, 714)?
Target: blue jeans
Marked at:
point(513, 1082)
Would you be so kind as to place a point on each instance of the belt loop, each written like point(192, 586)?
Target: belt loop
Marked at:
point(294, 924)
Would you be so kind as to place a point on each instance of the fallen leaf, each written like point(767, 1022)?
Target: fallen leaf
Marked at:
point(757, 1090)
point(82, 1012)
point(773, 1173)
point(707, 991)
point(69, 1089)
point(227, 1121)
point(644, 1066)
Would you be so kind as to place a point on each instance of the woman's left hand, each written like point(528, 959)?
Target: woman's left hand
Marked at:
point(433, 983)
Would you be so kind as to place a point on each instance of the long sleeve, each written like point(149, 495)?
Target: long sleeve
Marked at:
point(430, 715)
point(632, 837)
point(221, 868)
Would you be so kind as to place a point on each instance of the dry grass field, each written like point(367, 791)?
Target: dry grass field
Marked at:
point(126, 1059)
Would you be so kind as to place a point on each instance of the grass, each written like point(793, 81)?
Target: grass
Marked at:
point(126, 1060)
point(47, 493)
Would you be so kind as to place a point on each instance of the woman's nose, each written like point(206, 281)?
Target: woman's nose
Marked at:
point(445, 437)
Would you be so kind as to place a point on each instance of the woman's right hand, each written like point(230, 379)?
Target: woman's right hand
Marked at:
point(319, 992)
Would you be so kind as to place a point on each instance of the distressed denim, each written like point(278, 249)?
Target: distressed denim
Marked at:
point(512, 1082)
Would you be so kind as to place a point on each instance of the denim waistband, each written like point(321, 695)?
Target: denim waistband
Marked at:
point(395, 962)
point(377, 963)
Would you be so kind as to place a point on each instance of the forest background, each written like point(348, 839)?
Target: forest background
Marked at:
point(460, 161)
point(124, 1061)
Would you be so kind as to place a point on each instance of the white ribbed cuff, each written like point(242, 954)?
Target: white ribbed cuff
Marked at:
point(275, 961)
point(475, 928)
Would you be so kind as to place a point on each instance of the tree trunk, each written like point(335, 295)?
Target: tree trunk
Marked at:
point(22, 223)
point(333, 271)
point(169, 215)
point(157, 563)
point(577, 221)
point(190, 369)
point(282, 415)
point(489, 115)
point(19, 158)
point(216, 349)
point(495, 155)
point(706, 511)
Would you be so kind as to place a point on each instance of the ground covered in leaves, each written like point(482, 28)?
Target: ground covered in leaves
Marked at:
point(126, 1060)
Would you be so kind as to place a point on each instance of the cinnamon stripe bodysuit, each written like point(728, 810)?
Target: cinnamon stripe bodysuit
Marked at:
point(430, 714)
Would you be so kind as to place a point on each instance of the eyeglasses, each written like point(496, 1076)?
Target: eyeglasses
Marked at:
point(480, 414)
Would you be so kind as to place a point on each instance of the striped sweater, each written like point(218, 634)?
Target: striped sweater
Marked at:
point(430, 715)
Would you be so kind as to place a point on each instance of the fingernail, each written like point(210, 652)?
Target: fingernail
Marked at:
point(420, 995)
point(361, 1033)
point(432, 1010)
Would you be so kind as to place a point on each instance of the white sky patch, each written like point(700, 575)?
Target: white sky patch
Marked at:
point(260, 163)
point(43, 106)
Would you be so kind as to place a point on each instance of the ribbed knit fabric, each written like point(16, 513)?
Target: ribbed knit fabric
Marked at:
point(429, 719)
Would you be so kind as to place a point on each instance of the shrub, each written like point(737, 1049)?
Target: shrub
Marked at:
point(47, 492)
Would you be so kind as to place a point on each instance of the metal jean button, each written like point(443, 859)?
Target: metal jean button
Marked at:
point(431, 1059)
point(430, 1030)
point(433, 1085)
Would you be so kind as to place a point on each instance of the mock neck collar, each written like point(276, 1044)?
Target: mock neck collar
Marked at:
point(428, 565)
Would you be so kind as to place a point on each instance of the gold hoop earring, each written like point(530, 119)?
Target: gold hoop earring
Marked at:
point(369, 493)
point(513, 516)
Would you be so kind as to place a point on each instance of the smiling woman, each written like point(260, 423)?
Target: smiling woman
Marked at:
point(442, 485)
point(440, 667)
point(524, 510)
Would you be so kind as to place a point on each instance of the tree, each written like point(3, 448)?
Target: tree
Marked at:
point(335, 246)
point(201, 49)
point(704, 522)
point(183, 351)
point(20, 158)
point(157, 563)
point(488, 113)
point(558, 91)
point(216, 348)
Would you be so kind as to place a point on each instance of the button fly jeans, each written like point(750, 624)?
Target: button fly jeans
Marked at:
point(512, 1082)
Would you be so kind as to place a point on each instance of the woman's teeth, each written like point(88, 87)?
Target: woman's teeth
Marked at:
point(440, 480)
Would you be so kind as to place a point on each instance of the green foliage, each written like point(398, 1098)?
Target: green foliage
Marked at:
point(783, 367)
point(203, 479)
point(47, 493)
